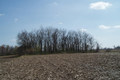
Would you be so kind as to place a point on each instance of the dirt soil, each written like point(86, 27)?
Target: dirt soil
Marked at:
point(77, 66)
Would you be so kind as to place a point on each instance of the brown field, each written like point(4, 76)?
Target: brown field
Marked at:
point(77, 66)
point(111, 50)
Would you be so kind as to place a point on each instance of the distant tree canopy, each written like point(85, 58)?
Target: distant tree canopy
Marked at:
point(8, 50)
point(54, 40)
point(116, 47)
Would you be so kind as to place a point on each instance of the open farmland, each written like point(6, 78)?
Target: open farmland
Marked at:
point(78, 66)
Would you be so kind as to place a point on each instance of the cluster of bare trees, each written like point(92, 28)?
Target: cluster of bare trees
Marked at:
point(116, 47)
point(52, 40)
point(8, 50)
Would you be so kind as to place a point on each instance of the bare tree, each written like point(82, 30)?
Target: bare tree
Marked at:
point(97, 47)
point(63, 39)
point(91, 43)
point(55, 36)
point(40, 38)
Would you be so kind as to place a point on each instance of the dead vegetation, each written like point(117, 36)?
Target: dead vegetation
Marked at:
point(87, 66)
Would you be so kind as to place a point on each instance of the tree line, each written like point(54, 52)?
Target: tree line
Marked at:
point(54, 40)
point(116, 47)
point(51, 40)
point(8, 50)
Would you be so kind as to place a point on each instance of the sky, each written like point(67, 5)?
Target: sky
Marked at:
point(99, 18)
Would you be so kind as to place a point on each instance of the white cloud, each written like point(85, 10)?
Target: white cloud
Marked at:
point(14, 40)
point(1, 14)
point(118, 26)
point(100, 5)
point(55, 3)
point(104, 27)
point(60, 23)
point(83, 30)
point(16, 20)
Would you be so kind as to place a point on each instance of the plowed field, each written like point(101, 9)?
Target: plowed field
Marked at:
point(76, 66)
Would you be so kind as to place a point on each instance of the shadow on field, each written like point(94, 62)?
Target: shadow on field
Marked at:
point(11, 56)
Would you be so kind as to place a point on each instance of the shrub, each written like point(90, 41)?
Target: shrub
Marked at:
point(108, 50)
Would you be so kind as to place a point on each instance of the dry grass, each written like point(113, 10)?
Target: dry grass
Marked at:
point(93, 66)
point(111, 50)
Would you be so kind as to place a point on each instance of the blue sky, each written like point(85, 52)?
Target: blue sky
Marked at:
point(99, 18)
